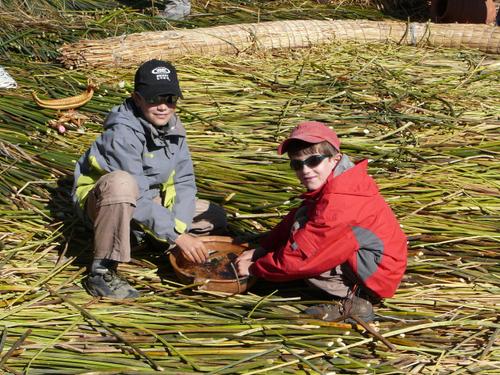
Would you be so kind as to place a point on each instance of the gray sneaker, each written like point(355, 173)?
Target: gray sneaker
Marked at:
point(335, 312)
point(109, 284)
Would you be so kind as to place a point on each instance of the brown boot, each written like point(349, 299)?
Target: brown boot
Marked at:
point(335, 312)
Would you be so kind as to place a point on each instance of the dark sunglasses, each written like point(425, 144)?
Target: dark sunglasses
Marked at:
point(162, 99)
point(311, 162)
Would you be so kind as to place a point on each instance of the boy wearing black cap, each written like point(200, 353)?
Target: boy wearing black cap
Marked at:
point(137, 178)
point(344, 239)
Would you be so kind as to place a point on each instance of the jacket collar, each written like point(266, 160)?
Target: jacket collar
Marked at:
point(347, 178)
point(174, 126)
point(344, 164)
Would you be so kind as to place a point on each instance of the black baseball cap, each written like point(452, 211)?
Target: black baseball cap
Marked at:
point(156, 77)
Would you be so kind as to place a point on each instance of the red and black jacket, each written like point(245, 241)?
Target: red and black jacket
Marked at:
point(346, 220)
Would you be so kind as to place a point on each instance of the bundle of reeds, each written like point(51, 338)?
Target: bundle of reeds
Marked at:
point(133, 49)
point(38, 28)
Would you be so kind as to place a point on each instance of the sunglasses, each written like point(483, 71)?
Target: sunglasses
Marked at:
point(311, 162)
point(163, 99)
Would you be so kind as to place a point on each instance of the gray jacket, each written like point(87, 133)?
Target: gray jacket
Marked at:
point(159, 161)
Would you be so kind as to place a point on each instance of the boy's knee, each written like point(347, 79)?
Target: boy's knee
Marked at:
point(117, 187)
point(210, 218)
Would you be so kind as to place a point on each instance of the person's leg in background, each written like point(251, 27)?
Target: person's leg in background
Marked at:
point(176, 9)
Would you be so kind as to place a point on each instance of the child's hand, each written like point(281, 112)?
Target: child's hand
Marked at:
point(192, 248)
point(243, 263)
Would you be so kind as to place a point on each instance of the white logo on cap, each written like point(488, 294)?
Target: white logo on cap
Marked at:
point(162, 72)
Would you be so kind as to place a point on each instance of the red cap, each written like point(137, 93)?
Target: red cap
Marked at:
point(312, 132)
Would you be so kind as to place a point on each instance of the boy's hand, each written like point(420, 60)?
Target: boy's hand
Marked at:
point(192, 248)
point(243, 263)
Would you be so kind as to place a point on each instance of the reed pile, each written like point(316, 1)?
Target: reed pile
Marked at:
point(38, 28)
point(428, 120)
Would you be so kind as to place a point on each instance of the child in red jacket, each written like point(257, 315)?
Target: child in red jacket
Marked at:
point(343, 239)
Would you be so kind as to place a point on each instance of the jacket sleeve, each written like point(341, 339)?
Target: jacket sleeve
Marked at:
point(321, 244)
point(278, 236)
point(185, 191)
point(123, 151)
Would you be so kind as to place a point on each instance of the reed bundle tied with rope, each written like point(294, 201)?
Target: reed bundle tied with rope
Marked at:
point(132, 49)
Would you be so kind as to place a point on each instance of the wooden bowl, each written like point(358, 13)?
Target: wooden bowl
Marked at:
point(217, 273)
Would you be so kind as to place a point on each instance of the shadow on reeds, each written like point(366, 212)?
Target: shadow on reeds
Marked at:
point(77, 237)
point(291, 289)
point(406, 10)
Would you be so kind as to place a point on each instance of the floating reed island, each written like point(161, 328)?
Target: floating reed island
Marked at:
point(428, 120)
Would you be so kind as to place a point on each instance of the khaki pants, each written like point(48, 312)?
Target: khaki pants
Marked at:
point(342, 282)
point(110, 206)
point(334, 282)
